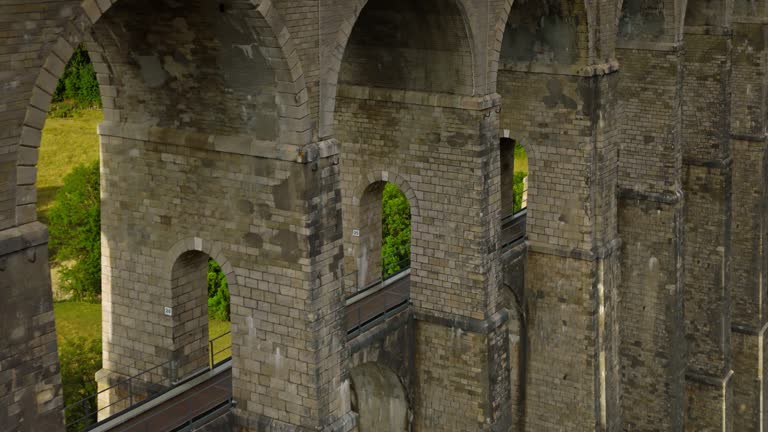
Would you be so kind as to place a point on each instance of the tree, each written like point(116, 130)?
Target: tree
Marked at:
point(78, 82)
point(218, 292)
point(80, 359)
point(396, 230)
point(75, 232)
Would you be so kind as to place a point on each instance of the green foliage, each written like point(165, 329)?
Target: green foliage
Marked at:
point(218, 292)
point(396, 230)
point(74, 223)
point(78, 84)
point(518, 188)
point(80, 359)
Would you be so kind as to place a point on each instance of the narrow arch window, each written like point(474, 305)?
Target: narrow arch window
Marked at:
point(382, 245)
point(201, 311)
point(514, 190)
point(384, 240)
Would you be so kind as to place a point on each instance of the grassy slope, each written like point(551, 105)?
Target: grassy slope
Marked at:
point(67, 142)
point(84, 319)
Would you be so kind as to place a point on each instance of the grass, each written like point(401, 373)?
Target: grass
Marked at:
point(75, 319)
point(67, 142)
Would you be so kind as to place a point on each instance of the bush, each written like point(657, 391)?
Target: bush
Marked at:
point(218, 292)
point(80, 359)
point(74, 223)
point(518, 188)
point(78, 83)
point(396, 230)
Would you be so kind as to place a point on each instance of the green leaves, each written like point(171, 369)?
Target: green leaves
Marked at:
point(518, 187)
point(78, 82)
point(218, 292)
point(80, 359)
point(75, 237)
point(396, 230)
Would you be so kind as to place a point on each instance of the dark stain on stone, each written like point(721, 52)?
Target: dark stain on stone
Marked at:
point(556, 95)
point(253, 240)
point(458, 140)
point(264, 210)
point(245, 207)
point(589, 98)
point(283, 194)
point(289, 244)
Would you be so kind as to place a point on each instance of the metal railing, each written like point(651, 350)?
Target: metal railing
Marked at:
point(128, 393)
point(221, 355)
point(513, 228)
point(352, 280)
point(202, 403)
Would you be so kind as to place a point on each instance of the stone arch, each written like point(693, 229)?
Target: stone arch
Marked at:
point(709, 13)
point(643, 20)
point(367, 203)
point(391, 177)
point(186, 265)
point(588, 52)
point(380, 399)
point(338, 46)
point(263, 20)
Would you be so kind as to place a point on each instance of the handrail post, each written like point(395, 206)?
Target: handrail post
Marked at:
point(130, 392)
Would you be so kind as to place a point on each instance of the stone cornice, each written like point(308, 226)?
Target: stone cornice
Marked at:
point(22, 237)
point(236, 144)
point(412, 97)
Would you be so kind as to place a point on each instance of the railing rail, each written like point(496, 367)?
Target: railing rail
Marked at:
point(513, 228)
point(217, 356)
point(143, 386)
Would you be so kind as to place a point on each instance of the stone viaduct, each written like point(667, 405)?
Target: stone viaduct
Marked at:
point(251, 131)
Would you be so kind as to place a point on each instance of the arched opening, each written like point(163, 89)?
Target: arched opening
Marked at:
point(193, 65)
point(65, 192)
point(545, 32)
point(410, 46)
point(380, 399)
point(200, 311)
point(381, 247)
point(384, 234)
point(514, 190)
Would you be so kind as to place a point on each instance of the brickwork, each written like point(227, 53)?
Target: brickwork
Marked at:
point(748, 128)
point(651, 220)
point(249, 132)
point(707, 185)
point(30, 386)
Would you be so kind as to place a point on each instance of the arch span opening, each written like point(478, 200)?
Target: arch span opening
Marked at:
point(545, 32)
point(409, 45)
point(380, 399)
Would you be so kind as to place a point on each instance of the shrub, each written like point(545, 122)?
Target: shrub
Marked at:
point(218, 292)
point(74, 223)
point(396, 230)
point(80, 359)
point(518, 189)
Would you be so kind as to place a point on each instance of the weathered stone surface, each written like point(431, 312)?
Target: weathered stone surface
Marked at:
point(260, 133)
